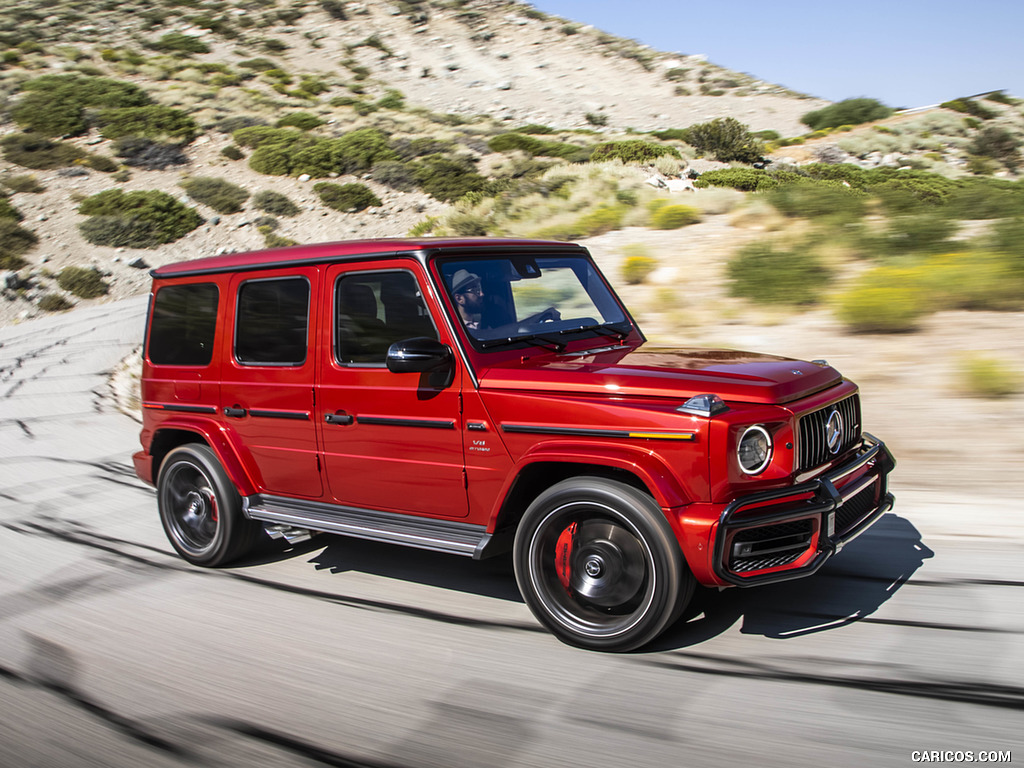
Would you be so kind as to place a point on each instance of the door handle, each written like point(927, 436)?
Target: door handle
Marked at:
point(338, 418)
point(235, 412)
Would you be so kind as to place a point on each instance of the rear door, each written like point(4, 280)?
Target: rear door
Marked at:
point(391, 441)
point(267, 377)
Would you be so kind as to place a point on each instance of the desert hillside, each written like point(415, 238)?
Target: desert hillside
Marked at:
point(729, 210)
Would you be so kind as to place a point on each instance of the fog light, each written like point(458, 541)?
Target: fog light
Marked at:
point(754, 450)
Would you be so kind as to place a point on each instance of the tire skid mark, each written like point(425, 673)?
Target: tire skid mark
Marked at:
point(299, 747)
point(118, 722)
point(984, 694)
point(904, 623)
point(912, 582)
point(115, 546)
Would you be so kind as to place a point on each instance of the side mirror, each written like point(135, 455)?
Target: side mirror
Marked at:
point(419, 355)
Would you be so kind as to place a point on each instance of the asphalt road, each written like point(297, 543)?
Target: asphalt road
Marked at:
point(114, 652)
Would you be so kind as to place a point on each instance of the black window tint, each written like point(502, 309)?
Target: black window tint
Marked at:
point(183, 324)
point(273, 316)
point(373, 311)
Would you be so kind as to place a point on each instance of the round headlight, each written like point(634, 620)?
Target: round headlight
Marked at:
point(754, 450)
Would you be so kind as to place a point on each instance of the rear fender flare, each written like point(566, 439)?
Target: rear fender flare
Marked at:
point(220, 441)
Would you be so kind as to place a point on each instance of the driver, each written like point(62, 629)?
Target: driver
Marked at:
point(468, 292)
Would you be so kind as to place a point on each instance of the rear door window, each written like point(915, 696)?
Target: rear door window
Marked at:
point(183, 325)
point(272, 322)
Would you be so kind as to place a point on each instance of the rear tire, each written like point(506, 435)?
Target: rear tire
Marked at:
point(599, 565)
point(200, 510)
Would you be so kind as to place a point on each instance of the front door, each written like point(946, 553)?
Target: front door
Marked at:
point(266, 394)
point(391, 441)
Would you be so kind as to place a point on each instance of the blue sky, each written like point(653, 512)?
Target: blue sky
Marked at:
point(906, 53)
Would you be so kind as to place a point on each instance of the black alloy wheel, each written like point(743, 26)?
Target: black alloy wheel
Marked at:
point(200, 510)
point(598, 564)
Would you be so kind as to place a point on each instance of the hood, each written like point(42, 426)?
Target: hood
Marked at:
point(678, 373)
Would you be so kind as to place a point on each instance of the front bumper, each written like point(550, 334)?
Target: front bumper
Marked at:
point(791, 532)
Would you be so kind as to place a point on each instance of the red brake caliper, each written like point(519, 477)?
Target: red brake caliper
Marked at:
point(563, 555)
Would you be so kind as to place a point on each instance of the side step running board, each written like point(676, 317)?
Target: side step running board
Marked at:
point(421, 532)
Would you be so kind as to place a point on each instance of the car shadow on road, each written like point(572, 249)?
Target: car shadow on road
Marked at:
point(493, 577)
point(848, 589)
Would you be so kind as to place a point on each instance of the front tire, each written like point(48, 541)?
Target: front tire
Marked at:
point(598, 564)
point(200, 510)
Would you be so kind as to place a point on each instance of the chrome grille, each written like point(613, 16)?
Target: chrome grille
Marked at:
point(813, 446)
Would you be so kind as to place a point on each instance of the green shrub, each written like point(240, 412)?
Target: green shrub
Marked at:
point(346, 197)
point(232, 152)
point(811, 200)
point(258, 65)
point(1001, 98)
point(999, 144)
point(286, 151)
point(136, 219)
point(446, 179)
point(56, 105)
point(15, 240)
point(987, 377)
point(596, 119)
point(885, 300)
point(392, 100)
point(274, 240)
point(275, 202)
point(1007, 236)
point(25, 184)
point(32, 150)
point(674, 216)
point(766, 275)
point(535, 128)
point(603, 219)
point(83, 282)
point(846, 112)
point(219, 194)
point(970, 107)
point(395, 174)
point(8, 211)
point(508, 142)
point(986, 199)
point(726, 139)
point(632, 151)
point(148, 154)
point(54, 302)
point(177, 42)
point(913, 233)
point(973, 280)
point(152, 122)
point(302, 120)
point(636, 269)
point(101, 163)
point(743, 179)
point(335, 9)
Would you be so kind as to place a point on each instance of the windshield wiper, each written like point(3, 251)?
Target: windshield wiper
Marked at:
point(553, 344)
point(599, 328)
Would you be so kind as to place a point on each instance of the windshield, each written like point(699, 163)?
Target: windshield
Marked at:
point(545, 299)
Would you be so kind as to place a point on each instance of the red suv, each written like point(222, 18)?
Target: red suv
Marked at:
point(472, 396)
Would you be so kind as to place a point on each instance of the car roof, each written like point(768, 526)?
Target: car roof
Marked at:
point(347, 250)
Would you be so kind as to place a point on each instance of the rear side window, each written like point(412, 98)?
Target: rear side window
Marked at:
point(272, 321)
point(183, 324)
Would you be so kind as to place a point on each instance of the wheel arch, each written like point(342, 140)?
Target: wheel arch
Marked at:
point(543, 469)
point(170, 435)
